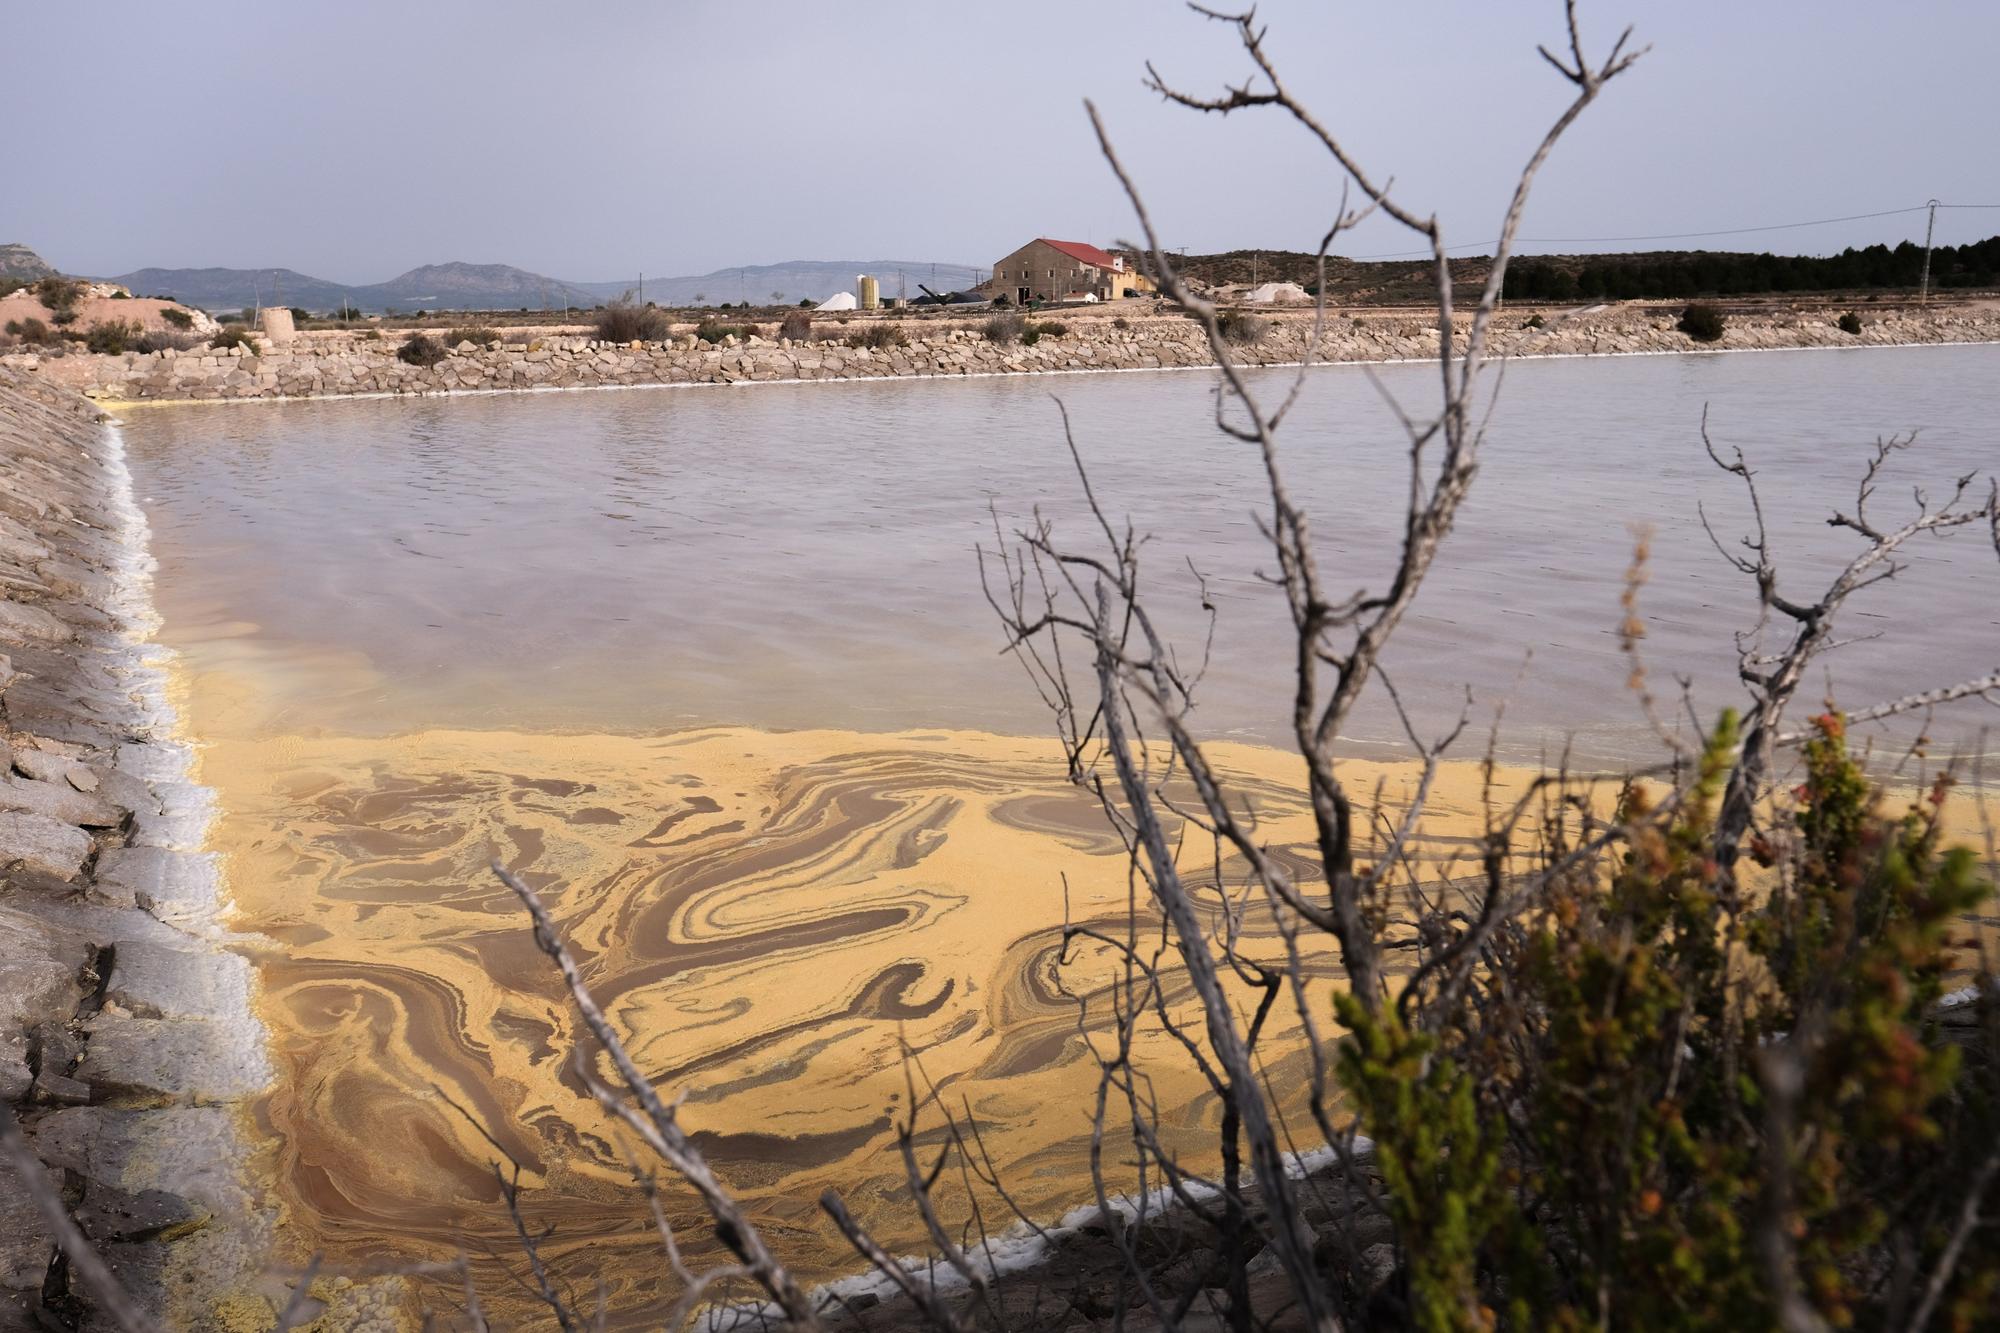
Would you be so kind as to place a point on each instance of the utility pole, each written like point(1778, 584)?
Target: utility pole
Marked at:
point(642, 286)
point(1924, 292)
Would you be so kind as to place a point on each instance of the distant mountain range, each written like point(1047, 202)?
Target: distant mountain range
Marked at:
point(797, 279)
point(503, 287)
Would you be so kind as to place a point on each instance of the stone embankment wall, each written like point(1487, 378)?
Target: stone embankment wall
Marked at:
point(335, 364)
point(125, 1027)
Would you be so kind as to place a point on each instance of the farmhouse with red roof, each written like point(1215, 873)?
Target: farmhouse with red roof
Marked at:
point(1046, 270)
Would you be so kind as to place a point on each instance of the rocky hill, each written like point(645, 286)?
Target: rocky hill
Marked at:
point(452, 286)
point(20, 264)
point(234, 288)
point(459, 286)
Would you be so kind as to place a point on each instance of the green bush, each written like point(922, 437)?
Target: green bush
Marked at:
point(1703, 323)
point(234, 335)
point(1630, 1088)
point(59, 294)
point(623, 322)
point(177, 317)
point(1532, 322)
point(477, 334)
point(300, 315)
point(111, 338)
point(1004, 329)
point(1051, 328)
point(32, 331)
point(1850, 323)
point(420, 349)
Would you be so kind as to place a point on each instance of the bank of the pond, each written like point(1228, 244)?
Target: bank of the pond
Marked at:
point(126, 1037)
point(343, 363)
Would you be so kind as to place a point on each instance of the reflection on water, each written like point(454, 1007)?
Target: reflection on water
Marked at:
point(802, 555)
point(580, 634)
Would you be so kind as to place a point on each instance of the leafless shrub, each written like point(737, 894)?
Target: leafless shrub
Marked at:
point(1249, 935)
point(1241, 328)
point(621, 322)
point(879, 336)
point(161, 341)
point(422, 350)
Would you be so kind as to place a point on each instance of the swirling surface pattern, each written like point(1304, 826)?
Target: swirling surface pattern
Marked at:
point(772, 919)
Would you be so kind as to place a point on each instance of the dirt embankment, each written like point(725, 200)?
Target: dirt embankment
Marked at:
point(125, 1033)
point(346, 363)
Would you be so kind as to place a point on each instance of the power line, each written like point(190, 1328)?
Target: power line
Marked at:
point(1675, 235)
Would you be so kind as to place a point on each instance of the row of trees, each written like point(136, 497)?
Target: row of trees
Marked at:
point(1672, 275)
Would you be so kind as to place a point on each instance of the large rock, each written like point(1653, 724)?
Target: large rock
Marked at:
point(47, 766)
point(15, 1076)
point(58, 801)
point(30, 624)
point(176, 887)
point(36, 987)
point(172, 1059)
point(36, 842)
point(41, 966)
point(154, 981)
point(188, 1149)
point(111, 1216)
point(24, 1250)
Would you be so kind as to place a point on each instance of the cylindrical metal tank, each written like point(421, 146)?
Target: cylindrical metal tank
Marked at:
point(870, 293)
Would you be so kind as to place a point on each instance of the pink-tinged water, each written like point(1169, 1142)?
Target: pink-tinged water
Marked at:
point(790, 556)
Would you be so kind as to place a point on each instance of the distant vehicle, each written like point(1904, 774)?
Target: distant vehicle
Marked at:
point(930, 297)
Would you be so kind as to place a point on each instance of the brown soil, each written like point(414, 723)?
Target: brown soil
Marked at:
point(141, 310)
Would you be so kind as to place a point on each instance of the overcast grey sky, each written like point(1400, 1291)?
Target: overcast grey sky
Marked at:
point(355, 140)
